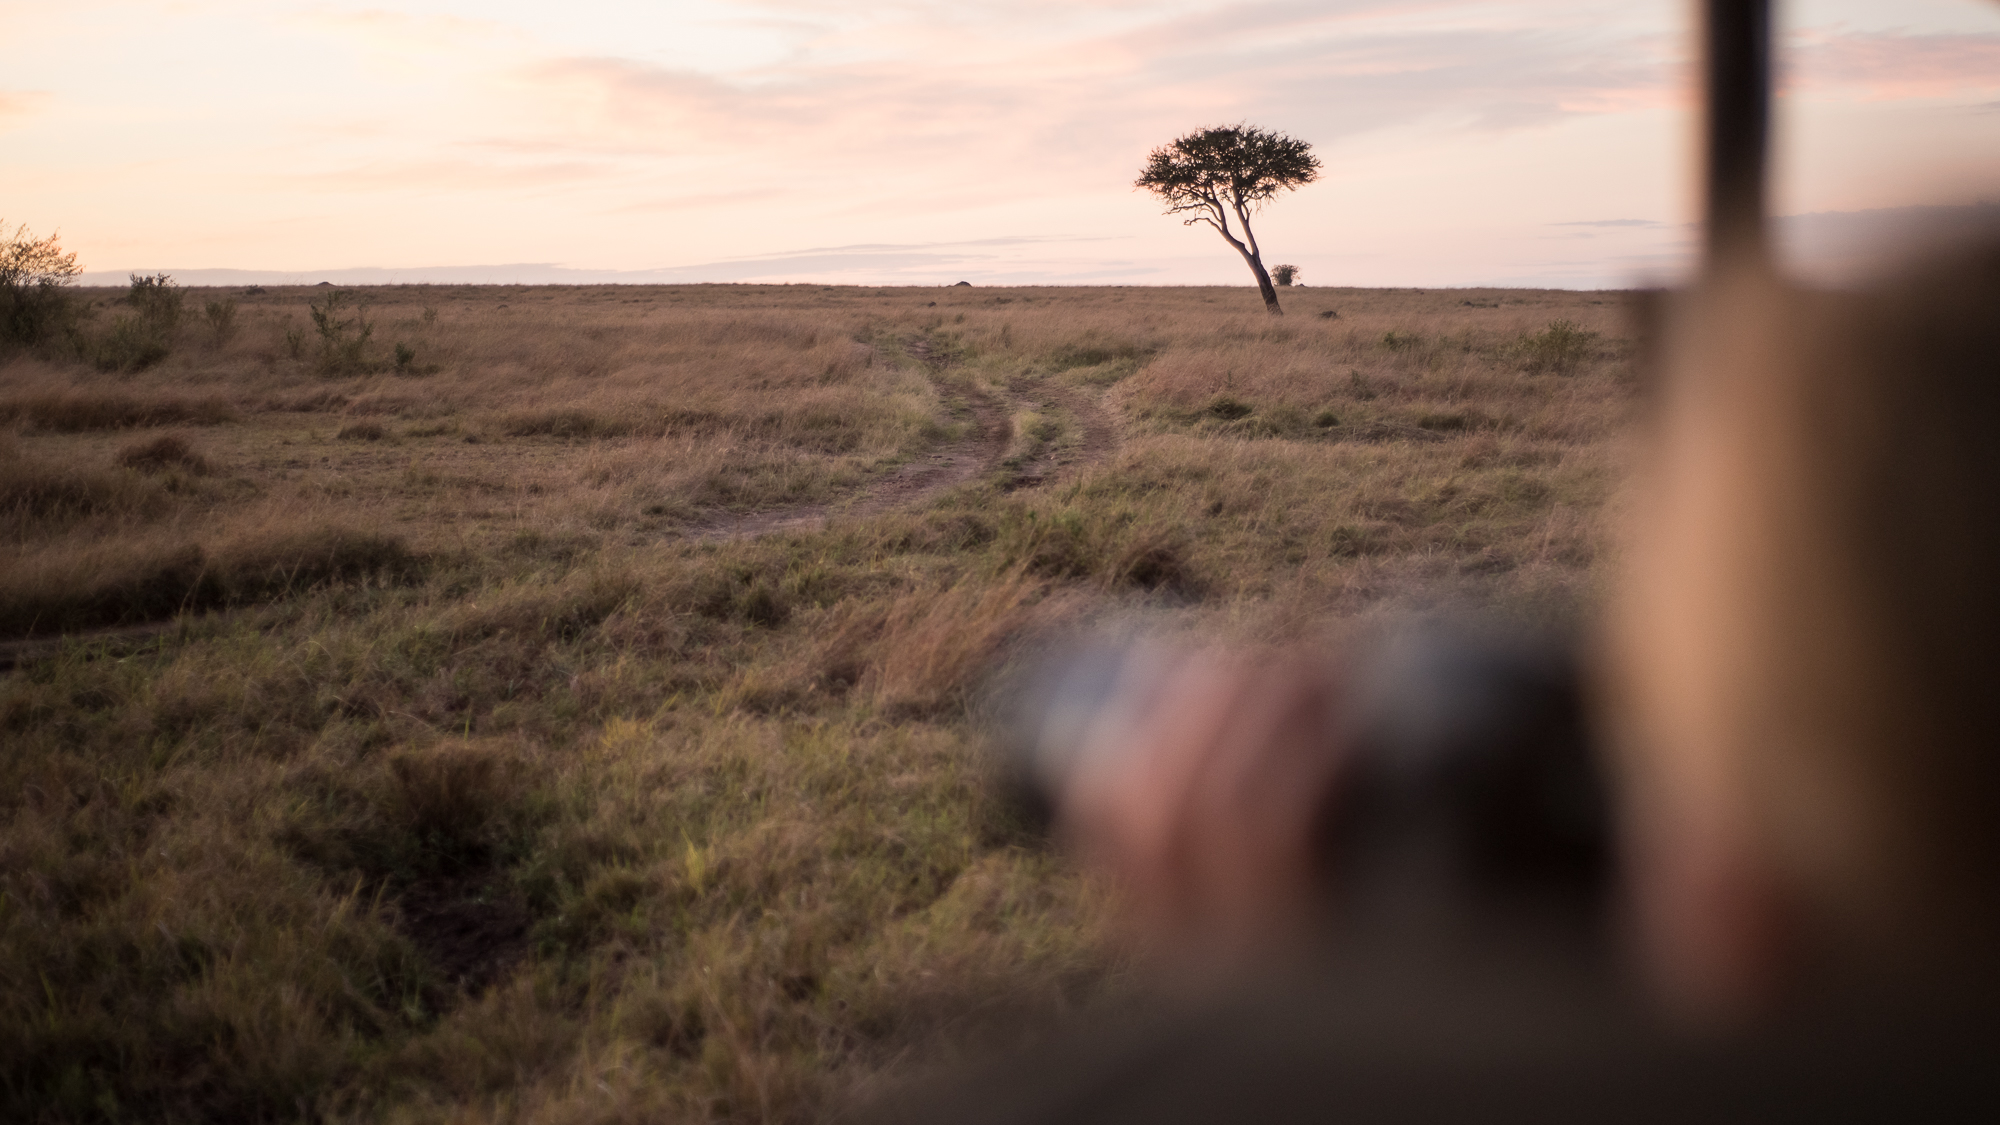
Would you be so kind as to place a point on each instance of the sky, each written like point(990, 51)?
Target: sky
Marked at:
point(1465, 142)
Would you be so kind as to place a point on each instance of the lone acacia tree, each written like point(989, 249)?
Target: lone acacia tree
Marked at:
point(1228, 170)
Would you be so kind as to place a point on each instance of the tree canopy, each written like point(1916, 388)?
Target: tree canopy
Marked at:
point(1229, 172)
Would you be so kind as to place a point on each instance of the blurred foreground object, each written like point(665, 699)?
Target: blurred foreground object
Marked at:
point(1247, 801)
point(1803, 642)
point(1794, 675)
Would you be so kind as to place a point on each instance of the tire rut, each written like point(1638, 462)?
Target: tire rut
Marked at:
point(934, 472)
point(946, 467)
point(1099, 432)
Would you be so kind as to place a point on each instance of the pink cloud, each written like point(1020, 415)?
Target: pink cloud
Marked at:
point(1890, 67)
point(441, 175)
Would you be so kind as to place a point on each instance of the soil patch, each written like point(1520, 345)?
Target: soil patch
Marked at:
point(469, 929)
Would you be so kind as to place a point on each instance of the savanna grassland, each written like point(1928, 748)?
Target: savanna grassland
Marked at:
point(558, 704)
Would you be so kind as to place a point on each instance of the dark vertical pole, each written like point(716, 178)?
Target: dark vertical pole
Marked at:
point(1737, 59)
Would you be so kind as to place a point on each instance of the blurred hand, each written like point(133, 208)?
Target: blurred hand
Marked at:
point(1198, 793)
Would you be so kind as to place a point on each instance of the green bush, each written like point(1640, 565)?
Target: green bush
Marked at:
point(221, 318)
point(157, 301)
point(35, 306)
point(343, 339)
point(145, 336)
point(129, 345)
point(1557, 348)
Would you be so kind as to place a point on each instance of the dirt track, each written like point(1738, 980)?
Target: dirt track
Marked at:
point(937, 471)
point(950, 465)
point(1099, 433)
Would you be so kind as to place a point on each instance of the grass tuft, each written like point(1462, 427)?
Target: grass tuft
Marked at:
point(156, 582)
point(81, 412)
point(38, 496)
point(163, 453)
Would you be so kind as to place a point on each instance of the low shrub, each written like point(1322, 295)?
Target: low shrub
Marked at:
point(1559, 348)
point(147, 336)
point(362, 431)
point(221, 319)
point(36, 306)
point(129, 345)
point(157, 301)
point(343, 339)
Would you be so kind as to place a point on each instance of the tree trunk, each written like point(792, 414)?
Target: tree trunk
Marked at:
point(1256, 259)
point(1264, 285)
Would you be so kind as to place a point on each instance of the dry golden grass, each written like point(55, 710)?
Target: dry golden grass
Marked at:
point(478, 771)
